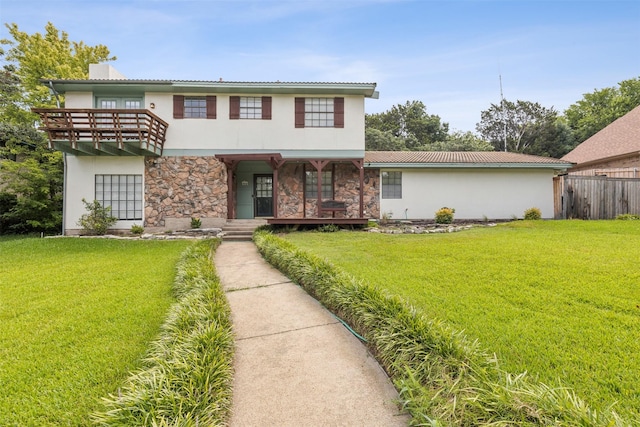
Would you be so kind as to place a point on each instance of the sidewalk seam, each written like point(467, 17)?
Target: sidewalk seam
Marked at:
point(287, 331)
point(248, 288)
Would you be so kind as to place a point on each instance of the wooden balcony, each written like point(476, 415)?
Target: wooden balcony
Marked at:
point(100, 132)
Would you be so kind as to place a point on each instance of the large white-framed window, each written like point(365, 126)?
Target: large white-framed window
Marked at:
point(123, 193)
point(311, 184)
point(392, 185)
point(251, 107)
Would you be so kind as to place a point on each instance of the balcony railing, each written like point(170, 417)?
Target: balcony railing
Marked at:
point(116, 132)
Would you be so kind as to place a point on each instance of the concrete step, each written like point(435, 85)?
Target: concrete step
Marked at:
point(240, 230)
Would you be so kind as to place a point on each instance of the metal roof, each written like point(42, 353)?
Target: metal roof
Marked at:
point(465, 159)
point(220, 86)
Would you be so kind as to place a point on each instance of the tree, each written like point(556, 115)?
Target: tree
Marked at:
point(598, 109)
point(522, 124)
point(30, 173)
point(32, 57)
point(411, 123)
point(461, 141)
point(378, 140)
point(32, 179)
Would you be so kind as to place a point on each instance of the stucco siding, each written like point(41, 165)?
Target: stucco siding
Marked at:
point(474, 194)
point(81, 172)
point(279, 134)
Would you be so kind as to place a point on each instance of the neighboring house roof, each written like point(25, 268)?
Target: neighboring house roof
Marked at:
point(460, 159)
point(620, 138)
point(125, 86)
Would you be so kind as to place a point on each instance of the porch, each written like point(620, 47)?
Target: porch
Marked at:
point(296, 191)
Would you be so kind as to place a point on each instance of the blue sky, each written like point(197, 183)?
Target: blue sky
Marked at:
point(447, 54)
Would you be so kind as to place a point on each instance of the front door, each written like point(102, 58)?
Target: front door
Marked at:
point(263, 187)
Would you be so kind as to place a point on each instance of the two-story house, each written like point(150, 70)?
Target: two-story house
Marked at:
point(161, 152)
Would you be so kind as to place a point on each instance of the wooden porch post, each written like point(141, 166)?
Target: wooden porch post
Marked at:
point(231, 200)
point(360, 165)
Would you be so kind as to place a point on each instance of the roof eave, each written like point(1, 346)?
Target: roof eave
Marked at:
point(176, 86)
point(555, 166)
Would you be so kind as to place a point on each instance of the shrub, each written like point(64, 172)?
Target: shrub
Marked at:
point(532, 214)
point(196, 223)
point(386, 217)
point(98, 219)
point(137, 230)
point(328, 228)
point(628, 217)
point(444, 215)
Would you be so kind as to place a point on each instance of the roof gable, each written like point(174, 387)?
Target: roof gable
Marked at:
point(618, 139)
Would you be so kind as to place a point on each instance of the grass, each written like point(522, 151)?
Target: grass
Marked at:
point(76, 315)
point(557, 299)
point(187, 373)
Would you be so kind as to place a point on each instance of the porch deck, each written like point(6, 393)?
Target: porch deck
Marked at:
point(317, 221)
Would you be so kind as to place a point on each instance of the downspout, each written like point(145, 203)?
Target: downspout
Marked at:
point(64, 169)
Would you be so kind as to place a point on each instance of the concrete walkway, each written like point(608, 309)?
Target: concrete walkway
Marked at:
point(295, 364)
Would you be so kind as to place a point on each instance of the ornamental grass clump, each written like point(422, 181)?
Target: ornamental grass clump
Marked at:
point(532, 214)
point(187, 374)
point(443, 378)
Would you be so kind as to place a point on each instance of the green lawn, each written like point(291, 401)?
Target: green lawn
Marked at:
point(76, 315)
point(559, 299)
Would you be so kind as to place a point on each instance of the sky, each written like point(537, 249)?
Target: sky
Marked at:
point(451, 55)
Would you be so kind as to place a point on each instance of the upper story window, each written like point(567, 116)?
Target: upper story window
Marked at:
point(118, 102)
point(319, 112)
point(250, 107)
point(194, 107)
point(392, 185)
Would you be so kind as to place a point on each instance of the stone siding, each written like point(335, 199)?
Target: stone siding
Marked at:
point(179, 188)
point(346, 188)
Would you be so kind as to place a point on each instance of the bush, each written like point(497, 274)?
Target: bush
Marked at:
point(196, 223)
point(98, 219)
point(628, 217)
point(532, 214)
point(328, 228)
point(137, 230)
point(444, 215)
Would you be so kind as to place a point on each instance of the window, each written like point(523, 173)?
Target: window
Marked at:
point(123, 193)
point(250, 107)
point(194, 107)
point(392, 185)
point(319, 112)
point(311, 184)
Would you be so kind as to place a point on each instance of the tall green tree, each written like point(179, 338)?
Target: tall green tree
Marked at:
point(411, 123)
point(598, 109)
point(461, 141)
point(30, 173)
point(32, 57)
point(524, 126)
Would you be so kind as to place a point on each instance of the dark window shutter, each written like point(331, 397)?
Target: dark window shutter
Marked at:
point(234, 107)
point(178, 107)
point(338, 112)
point(266, 108)
point(211, 107)
point(299, 112)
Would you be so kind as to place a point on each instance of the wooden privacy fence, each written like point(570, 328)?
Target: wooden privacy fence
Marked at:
point(595, 197)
